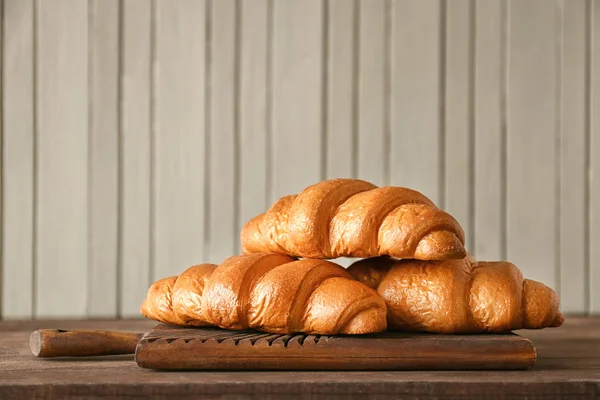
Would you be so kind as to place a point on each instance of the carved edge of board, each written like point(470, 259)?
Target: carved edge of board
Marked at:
point(246, 338)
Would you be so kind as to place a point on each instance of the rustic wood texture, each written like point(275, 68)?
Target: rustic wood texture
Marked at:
point(81, 343)
point(172, 347)
point(139, 135)
point(568, 366)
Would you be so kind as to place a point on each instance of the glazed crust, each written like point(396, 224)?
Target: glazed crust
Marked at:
point(354, 218)
point(269, 292)
point(458, 296)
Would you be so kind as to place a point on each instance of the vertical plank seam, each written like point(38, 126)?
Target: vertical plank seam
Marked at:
point(471, 133)
point(153, 123)
point(2, 169)
point(356, 49)
point(558, 128)
point(207, 124)
point(269, 105)
point(387, 76)
point(443, 26)
point(35, 150)
point(236, 127)
point(324, 86)
point(504, 76)
point(90, 155)
point(588, 157)
point(120, 155)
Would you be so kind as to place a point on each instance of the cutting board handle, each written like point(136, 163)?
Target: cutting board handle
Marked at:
point(81, 343)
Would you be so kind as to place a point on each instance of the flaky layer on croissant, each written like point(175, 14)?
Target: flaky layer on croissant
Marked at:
point(354, 218)
point(268, 292)
point(458, 296)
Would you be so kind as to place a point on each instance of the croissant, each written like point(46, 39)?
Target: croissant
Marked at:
point(268, 292)
point(354, 218)
point(458, 296)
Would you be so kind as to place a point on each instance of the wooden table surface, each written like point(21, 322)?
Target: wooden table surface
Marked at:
point(568, 366)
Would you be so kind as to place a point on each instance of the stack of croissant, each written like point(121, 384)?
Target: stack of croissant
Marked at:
point(414, 274)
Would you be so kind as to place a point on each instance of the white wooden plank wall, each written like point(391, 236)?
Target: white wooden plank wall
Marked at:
point(297, 95)
point(532, 133)
point(593, 156)
point(223, 130)
point(136, 106)
point(18, 163)
point(457, 116)
point(417, 85)
point(179, 152)
point(372, 99)
point(254, 98)
point(572, 162)
point(489, 115)
point(340, 86)
point(61, 159)
point(138, 136)
point(103, 153)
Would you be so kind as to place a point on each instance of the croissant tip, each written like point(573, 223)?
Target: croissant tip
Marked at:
point(558, 320)
point(440, 245)
point(367, 321)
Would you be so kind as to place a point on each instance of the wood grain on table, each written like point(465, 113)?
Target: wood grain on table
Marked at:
point(568, 366)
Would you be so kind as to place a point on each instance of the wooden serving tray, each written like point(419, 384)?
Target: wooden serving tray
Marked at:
point(174, 347)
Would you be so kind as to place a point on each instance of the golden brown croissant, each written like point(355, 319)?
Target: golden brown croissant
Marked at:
point(458, 296)
point(269, 292)
point(354, 218)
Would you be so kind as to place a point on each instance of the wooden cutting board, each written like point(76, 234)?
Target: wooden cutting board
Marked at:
point(173, 347)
